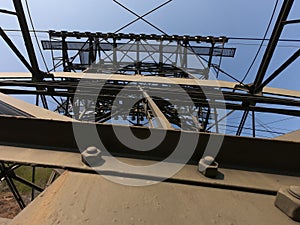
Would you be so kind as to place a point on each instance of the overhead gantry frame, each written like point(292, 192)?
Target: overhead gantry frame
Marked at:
point(99, 43)
point(202, 118)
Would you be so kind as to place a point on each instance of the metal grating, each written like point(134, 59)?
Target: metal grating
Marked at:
point(84, 46)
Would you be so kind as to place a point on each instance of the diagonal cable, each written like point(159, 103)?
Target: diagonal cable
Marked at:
point(261, 44)
point(141, 17)
point(35, 35)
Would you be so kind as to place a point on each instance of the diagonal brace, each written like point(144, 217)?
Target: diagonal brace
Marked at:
point(279, 70)
point(141, 17)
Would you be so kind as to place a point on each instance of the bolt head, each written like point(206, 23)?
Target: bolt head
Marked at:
point(92, 156)
point(208, 160)
point(208, 166)
point(288, 203)
point(92, 150)
point(295, 191)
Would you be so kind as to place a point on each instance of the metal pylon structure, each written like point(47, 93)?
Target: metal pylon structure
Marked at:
point(172, 56)
point(137, 54)
point(149, 83)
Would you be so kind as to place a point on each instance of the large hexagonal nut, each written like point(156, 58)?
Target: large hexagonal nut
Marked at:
point(208, 166)
point(288, 201)
point(92, 157)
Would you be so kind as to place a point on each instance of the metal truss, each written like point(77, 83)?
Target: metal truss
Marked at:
point(33, 66)
point(148, 55)
point(197, 119)
point(134, 53)
point(281, 22)
point(259, 83)
point(9, 175)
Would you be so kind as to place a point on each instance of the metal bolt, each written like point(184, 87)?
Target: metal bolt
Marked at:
point(288, 201)
point(208, 160)
point(295, 191)
point(91, 150)
point(92, 156)
point(208, 166)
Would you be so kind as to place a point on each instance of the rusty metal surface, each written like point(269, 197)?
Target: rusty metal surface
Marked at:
point(90, 199)
point(31, 109)
point(292, 136)
point(236, 152)
point(183, 81)
point(228, 178)
point(160, 118)
point(42, 157)
point(7, 109)
point(12, 75)
point(137, 78)
point(239, 178)
point(4, 221)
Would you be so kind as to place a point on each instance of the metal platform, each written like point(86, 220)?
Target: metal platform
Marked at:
point(77, 198)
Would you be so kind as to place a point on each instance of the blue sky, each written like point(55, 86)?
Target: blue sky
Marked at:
point(232, 18)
